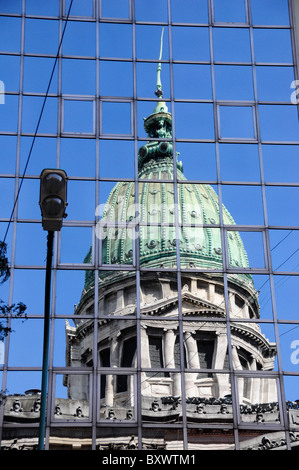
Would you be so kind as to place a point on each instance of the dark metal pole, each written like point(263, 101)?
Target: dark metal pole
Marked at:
point(43, 404)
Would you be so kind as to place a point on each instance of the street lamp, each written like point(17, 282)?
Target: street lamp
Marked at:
point(53, 202)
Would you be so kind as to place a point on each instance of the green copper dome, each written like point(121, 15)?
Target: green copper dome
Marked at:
point(150, 210)
point(155, 210)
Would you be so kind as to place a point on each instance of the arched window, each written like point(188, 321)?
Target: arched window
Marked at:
point(104, 362)
point(128, 353)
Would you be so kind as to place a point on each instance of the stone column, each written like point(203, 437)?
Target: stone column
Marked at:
point(166, 292)
point(114, 353)
point(169, 348)
point(237, 366)
point(232, 305)
point(255, 389)
point(145, 360)
point(120, 299)
point(219, 354)
point(169, 343)
point(193, 287)
point(144, 347)
point(192, 360)
point(211, 292)
point(245, 311)
point(192, 352)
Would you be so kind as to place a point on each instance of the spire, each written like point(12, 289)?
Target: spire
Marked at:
point(159, 91)
point(161, 105)
point(157, 125)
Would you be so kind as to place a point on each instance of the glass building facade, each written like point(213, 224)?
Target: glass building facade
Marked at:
point(78, 81)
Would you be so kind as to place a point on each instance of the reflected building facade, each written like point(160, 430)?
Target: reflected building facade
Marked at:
point(184, 346)
point(202, 301)
point(169, 346)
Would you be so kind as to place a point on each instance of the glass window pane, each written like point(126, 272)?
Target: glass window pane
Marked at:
point(110, 82)
point(283, 246)
point(20, 381)
point(77, 156)
point(37, 74)
point(146, 46)
point(234, 82)
point(123, 384)
point(7, 195)
point(269, 12)
point(48, 30)
point(272, 45)
point(14, 6)
point(203, 249)
point(79, 409)
point(198, 159)
point(42, 8)
point(74, 242)
point(25, 234)
point(280, 79)
point(194, 11)
point(231, 45)
point(79, 39)
point(231, 11)
point(28, 207)
point(27, 336)
point(111, 165)
point(197, 441)
point(60, 328)
point(116, 8)
point(107, 436)
point(79, 7)
point(291, 382)
point(237, 198)
point(42, 154)
point(8, 145)
point(288, 337)
point(282, 205)
point(285, 288)
point(198, 37)
point(239, 162)
point(9, 66)
point(249, 387)
point(78, 77)
point(237, 121)
point(194, 120)
point(116, 118)
point(10, 34)
point(273, 155)
point(279, 123)
point(32, 108)
point(198, 206)
point(115, 40)
point(24, 279)
point(147, 11)
point(192, 81)
point(78, 116)
point(263, 288)
point(9, 113)
point(254, 247)
point(105, 189)
point(146, 79)
point(69, 288)
point(81, 197)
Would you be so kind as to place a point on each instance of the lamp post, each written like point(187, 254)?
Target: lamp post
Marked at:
point(53, 202)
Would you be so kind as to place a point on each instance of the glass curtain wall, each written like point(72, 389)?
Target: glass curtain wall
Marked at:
point(78, 79)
